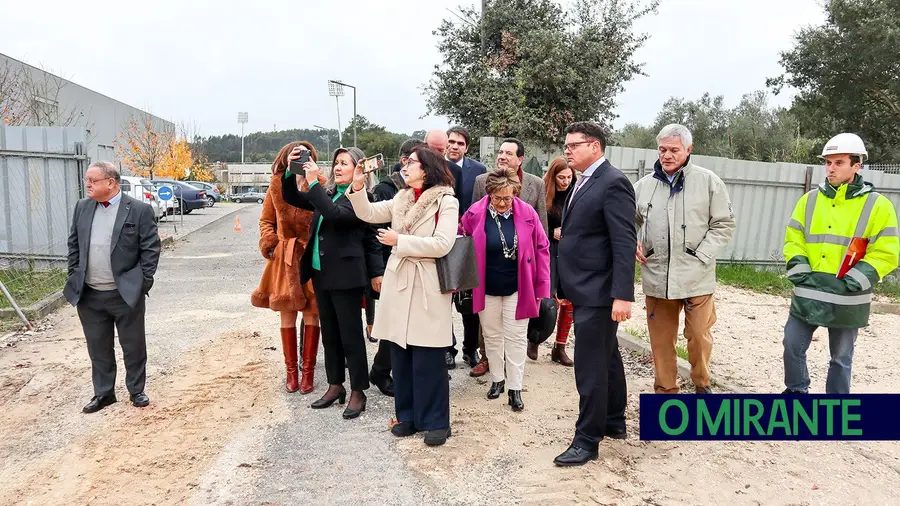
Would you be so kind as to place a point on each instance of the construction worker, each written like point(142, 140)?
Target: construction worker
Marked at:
point(817, 240)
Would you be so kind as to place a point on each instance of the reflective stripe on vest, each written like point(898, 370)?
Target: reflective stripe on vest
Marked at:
point(841, 240)
point(833, 298)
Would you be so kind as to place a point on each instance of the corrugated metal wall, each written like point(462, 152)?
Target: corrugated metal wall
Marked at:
point(40, 181)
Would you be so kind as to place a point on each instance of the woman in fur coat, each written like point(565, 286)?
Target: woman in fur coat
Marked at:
point(283, 235)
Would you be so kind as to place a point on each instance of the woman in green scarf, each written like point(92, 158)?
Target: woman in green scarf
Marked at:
point(342, 258)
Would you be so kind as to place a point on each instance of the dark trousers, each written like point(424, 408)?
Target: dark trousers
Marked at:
point(599, 376)
point(471, 326)
point(370, 309)
point(381, 364)
point(421, 387)
point(101, 314)
point(342, 335)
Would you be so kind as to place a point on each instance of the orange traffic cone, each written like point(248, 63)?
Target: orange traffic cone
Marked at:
point(237, 224)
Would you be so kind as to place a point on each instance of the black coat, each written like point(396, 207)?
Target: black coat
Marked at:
point(349, 253)
point(470, 169)
point(596, 250)
point(457, 173)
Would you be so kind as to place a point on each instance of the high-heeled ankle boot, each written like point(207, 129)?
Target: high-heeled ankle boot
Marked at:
point(515, 400)
point(532, 351)
point(497, 388)
point(289, 348)
point(308, 365)
point(560, 356)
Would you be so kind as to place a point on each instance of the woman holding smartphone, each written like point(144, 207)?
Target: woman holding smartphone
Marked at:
point(414, 316)
point(342, 259)
point(283, 235)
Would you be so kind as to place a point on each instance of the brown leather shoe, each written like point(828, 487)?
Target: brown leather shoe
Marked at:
point(481, 369)
point(308, 364)
point(289, 348)
point(532, 350)
point(560, 356)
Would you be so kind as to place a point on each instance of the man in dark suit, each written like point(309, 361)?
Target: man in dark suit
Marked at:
point(113, 255)
point(457, 147)
point(596, 273)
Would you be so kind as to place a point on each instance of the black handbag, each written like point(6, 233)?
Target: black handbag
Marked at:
point(540, 328)
point(457, 270)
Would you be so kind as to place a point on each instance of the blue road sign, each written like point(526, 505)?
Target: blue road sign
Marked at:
point(165, 193)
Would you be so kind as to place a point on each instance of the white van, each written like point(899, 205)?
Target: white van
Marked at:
point(142, 189)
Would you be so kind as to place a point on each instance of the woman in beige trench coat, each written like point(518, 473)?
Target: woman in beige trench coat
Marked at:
point(414, 316)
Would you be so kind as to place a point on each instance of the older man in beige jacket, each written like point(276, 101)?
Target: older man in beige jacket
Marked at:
point(684, 218)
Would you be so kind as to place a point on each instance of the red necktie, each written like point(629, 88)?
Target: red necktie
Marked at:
point(105, 204)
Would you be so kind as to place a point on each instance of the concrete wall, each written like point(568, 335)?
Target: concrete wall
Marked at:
point(102, 117)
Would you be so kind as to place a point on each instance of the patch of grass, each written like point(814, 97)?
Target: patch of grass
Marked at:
point(637, 272)
point(889, 287)
point(758, 280)
point(28, 286)
point(642, 334)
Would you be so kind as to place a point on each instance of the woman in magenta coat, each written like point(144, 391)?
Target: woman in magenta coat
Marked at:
point(513, 257)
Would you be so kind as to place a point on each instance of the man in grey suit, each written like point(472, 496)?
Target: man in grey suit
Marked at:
point(512, 154)
point(113, 255)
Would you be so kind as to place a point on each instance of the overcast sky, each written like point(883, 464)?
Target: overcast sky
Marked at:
point(203, 61)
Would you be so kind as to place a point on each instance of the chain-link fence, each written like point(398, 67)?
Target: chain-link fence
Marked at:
point(40, 181)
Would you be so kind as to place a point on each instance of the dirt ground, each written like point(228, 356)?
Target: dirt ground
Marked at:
point(220, 421)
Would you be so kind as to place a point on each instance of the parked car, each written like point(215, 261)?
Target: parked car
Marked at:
point(186, 196)
point(144, 190)
point(251, 196)
point(213, 194)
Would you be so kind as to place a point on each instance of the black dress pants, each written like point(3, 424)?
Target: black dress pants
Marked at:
point(599, 376)
point(101, 313)
point(342, 334)
point(421, 387)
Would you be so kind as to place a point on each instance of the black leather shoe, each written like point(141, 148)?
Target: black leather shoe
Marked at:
point(497, 388)
point(437, 437)
point(789, 391)
point(471, 359)
point(515, 400)
point(369, 336)
point(404, 429)
point(385, 384)
point(616, 434)
point(575, 456)
point(325, 402)
point(140, 400)
point(451, 360)
point(351, 413)
point(98, 402)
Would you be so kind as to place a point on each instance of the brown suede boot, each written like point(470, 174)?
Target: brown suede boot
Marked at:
point(289, 347)
point(559, 355)
point(308, 365)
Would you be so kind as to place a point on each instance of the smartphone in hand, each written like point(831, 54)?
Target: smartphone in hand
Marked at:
point(373, 163)
point(296, 166)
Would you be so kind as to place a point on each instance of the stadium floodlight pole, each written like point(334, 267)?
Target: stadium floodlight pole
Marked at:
point(338, 84)
point(242, 119)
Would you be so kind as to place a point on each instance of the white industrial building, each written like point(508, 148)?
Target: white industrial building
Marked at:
point(59, 102)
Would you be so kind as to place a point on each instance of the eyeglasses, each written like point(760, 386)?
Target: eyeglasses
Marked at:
point(410, 161)
point(505, 200)
point(95, 181)
point(570, 146)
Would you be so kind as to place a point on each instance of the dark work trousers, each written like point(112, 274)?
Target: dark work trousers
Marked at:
point(471, 327)
point(342, 334)
point(599, 376)
point(421, 387)
point(101, 314)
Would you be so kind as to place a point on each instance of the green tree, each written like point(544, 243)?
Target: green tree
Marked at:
point(539, 67)
point(847, 74)
point(634, 135)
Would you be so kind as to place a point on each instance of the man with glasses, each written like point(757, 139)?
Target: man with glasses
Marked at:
point(596, 274)
point(511, 154)
point(113, 255)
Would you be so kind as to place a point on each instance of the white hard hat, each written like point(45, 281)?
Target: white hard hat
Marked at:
point(845, 144)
